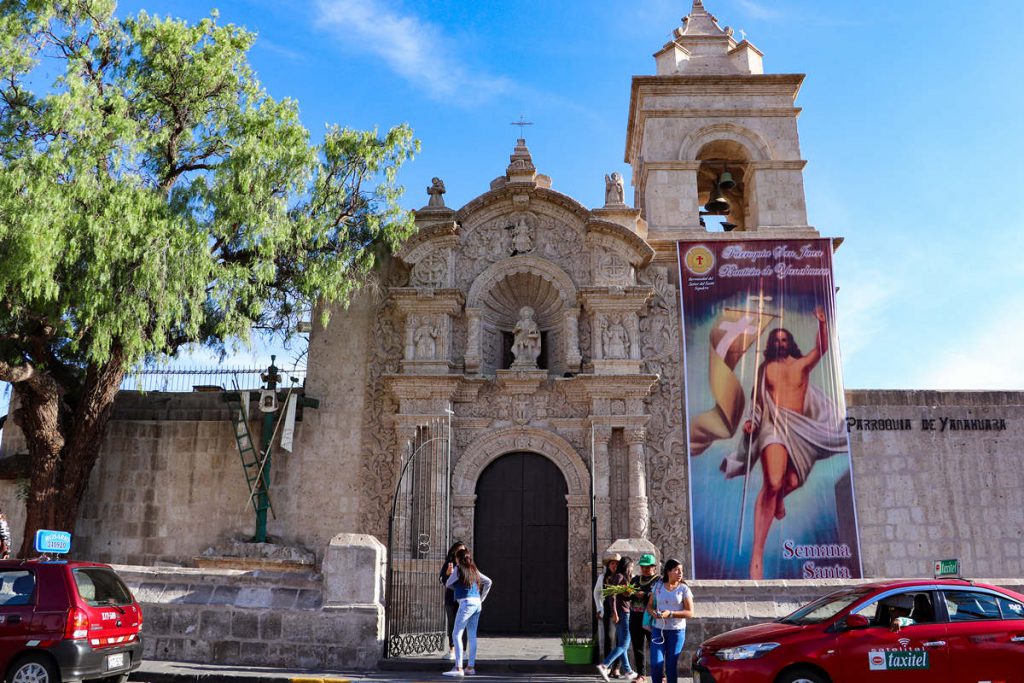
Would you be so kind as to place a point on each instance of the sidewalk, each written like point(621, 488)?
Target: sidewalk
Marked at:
point(186, 672)
point(530, 660)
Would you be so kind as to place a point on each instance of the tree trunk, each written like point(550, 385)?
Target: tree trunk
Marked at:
point(64, 444)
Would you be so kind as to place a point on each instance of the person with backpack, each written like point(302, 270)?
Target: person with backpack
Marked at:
point(471, 587)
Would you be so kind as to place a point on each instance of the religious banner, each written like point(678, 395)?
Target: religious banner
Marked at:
point(771, 493)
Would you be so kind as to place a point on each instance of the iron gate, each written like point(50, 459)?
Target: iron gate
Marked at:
point(419, 531)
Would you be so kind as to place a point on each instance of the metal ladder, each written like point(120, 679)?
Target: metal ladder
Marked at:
point(252, 459)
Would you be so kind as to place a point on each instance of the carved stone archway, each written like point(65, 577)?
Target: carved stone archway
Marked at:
point(755, 145)
point(488, 311)
point(488, 448)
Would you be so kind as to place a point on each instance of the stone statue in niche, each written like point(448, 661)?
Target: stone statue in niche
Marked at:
point(614, 189)
point(426, 338)
point(522, 240)
point(526, 340)
point(436, 192)
point(615, 339)
point(431, 271)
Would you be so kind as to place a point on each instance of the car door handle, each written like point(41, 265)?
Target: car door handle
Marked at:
point(935, 643)
point(1017, 639)
point(14, 619)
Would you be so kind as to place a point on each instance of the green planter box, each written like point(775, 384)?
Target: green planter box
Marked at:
point(579, 654)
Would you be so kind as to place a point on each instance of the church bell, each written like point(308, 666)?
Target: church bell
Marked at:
point(717, 203)
point(725, 181)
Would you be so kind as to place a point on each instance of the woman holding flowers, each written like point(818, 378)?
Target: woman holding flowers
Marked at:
point(670, 605)
point(619, 589)
point(603, 604)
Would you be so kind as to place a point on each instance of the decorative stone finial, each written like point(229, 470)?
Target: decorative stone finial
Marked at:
point(436, 192)
point(521, 168)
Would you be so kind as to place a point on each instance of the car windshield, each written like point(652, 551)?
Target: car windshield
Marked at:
point(824, 608)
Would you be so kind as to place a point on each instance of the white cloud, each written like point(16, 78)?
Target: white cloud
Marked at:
point(416, 50)
point(861, 302)
point(759, 11)
point(990, 356)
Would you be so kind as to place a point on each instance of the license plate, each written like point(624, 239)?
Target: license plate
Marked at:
point(115, 661)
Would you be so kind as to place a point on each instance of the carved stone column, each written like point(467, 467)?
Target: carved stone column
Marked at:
point(573, 358)
point(474, 353)
point(602, 495)
point(639, 513)
point(463, 509)
point(580, 587)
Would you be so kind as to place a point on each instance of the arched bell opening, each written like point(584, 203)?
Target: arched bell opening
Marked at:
point(724, 186)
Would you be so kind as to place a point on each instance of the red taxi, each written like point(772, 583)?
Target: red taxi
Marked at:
point(66, 621)
point(927, 631)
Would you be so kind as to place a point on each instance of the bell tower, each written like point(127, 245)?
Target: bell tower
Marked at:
point(713, 140)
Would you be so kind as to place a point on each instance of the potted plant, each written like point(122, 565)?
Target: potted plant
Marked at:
point(578, 649)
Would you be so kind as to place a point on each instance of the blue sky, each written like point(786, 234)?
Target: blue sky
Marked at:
point(911, 126)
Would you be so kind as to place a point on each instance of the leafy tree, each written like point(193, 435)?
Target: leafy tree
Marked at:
point(153, 195)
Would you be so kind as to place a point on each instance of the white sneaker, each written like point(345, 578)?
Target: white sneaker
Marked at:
point(603, 670)
point(631, 676)
point(454, 672)
point(451, 655)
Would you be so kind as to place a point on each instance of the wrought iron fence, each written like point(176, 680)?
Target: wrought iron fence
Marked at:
point(180, 380)
point(419, 529)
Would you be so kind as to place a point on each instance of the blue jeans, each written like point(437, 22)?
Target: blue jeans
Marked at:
point(666, 644)
point(466, 619)
point(621, 644)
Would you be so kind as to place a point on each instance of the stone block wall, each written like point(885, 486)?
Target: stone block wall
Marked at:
point(256, 618)
point(938, 475)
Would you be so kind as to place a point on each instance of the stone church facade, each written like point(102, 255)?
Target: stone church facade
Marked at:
point(602, 400)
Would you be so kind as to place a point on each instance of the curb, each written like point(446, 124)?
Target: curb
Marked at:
point(153, 676)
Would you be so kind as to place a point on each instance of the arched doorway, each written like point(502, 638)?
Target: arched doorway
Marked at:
point(521, 539)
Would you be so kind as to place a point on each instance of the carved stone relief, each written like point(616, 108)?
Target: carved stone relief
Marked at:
point(611, 269)
point(666, 449)
point(431, 271)
point(428, 339)
point(554, 235)
point(382, 456)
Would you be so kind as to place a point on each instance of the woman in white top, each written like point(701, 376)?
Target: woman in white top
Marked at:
point(670, 605)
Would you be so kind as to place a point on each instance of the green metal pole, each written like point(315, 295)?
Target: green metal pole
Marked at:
point(263, 500)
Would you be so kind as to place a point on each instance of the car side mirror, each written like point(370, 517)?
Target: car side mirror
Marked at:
point(855, 621)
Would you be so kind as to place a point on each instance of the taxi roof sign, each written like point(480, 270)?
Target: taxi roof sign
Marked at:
point(55, 542)
point(947, 569)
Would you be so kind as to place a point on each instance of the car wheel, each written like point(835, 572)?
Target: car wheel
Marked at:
point(802, 676)
point(33, 669)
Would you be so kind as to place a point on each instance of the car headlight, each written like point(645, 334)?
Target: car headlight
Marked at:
point(731, 654)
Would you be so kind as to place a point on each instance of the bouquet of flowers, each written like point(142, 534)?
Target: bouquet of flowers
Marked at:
point(625, 590)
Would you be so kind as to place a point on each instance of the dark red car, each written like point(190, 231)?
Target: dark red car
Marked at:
point(66, 621)
point(927, 631)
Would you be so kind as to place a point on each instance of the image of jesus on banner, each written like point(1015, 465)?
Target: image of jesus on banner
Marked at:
point(790, 423)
